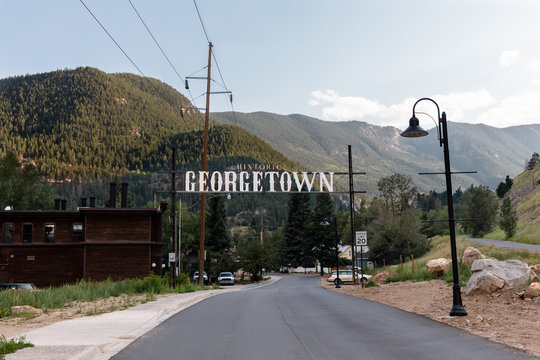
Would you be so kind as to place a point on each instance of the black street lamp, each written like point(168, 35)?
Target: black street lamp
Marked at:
point(414, 130)
point(325, 222)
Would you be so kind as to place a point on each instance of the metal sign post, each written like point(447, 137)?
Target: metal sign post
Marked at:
point(361, 240)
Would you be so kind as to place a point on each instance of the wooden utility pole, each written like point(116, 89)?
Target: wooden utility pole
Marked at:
point(204, 168)
point(172, 265)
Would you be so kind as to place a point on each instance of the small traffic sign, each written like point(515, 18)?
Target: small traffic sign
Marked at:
point(361, 238)
point(172, 257)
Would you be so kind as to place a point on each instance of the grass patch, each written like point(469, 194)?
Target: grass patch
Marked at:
point(370, 283)
point(10, 346)
point(88, 291)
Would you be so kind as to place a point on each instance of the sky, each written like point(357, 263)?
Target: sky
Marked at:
point(335, 60)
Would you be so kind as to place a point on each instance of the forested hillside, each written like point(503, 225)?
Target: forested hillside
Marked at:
point(83, 124)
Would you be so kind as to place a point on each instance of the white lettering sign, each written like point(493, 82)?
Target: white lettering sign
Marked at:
point(257, 181)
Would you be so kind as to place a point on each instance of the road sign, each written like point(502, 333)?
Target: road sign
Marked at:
point(361, 238)
point(172, 257)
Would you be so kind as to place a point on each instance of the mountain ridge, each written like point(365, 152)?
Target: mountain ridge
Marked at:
point(381, 151)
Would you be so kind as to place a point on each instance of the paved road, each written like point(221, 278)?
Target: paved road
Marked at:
point(508, 244)
point(295, 318)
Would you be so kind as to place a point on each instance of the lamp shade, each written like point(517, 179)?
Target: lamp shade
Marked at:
point(324, 222)
point(414, 129)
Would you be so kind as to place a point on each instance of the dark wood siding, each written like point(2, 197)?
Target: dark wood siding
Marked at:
point(115, 243)
point(42, 265)
point(126, 228)
point(117, 262)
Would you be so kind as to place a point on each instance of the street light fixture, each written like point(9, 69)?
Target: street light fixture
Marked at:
point(414, 130)
point(325, 222)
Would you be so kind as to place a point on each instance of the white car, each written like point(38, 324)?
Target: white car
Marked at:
point(225, 278)
point(196, 277)
point(345, 276)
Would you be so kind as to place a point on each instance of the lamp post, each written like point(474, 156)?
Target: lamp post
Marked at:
point(414, 130)
point(325, 222)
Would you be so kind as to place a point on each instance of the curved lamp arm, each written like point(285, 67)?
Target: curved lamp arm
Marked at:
point(439, 133)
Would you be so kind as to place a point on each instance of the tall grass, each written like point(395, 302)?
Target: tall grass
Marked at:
point(82, 291)
point(441, 249)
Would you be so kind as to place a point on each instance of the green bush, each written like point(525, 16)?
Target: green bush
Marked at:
point(371, 283)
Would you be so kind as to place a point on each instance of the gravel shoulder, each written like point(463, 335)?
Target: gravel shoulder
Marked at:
point(504, 318)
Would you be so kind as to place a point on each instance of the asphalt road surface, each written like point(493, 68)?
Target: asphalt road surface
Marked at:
point(508, 244)
point(295, 318)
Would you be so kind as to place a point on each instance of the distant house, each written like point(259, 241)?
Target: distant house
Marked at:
point(54, 247)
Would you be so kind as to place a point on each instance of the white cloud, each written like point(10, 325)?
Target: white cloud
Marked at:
point(346, 108)
point(509, 57)
point(523, 108)
point(535, 65)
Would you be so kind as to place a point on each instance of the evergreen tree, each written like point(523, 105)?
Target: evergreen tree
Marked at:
point(295, 229)
point(504, 187)
point(479, 203)
point(320, 240)
point(533, 161)
point(217, 237)
point(508, 218)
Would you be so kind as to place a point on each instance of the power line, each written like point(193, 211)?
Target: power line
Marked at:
point(162, 51)
point(213, 55)
point(118, 45)
point(155, 40)
point(127, 56)
point(200, 19)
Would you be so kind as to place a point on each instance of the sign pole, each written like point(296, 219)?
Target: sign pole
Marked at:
point(351, 200)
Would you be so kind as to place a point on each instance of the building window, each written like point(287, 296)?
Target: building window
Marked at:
point(27, 233)
point(8, 233)
point(77, 229)
point(49, 232)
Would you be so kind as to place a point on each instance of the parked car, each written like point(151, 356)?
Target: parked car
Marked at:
point(17, 286)
point(196, 277)
point(345, 276)
point(226, 278)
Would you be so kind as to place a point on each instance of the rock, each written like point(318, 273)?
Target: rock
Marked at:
point(490, 275)
point(380, 278)
point(25, 309)
point(532, 291)
point(470, 254)
point(438, 266)
point(533, 277)
point(536, 269)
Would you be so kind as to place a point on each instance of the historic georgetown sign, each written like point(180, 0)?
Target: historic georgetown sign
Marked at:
point(258, 181)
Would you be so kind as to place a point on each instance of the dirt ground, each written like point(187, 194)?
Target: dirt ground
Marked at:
point(504, 318)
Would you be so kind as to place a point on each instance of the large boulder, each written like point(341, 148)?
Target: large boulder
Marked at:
point(438, 266)
point(470, 254)
point(490, 275)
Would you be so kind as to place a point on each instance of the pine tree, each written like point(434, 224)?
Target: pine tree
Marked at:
point(319, 240)
point(295, 229)
point(508, 218)
point(217, 239)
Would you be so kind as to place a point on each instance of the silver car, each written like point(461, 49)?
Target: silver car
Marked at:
point(225, 278)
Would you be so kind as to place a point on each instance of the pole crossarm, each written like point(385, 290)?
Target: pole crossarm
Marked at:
point(451, 173)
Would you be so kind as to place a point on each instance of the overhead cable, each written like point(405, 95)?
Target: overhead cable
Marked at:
point(118, 45)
